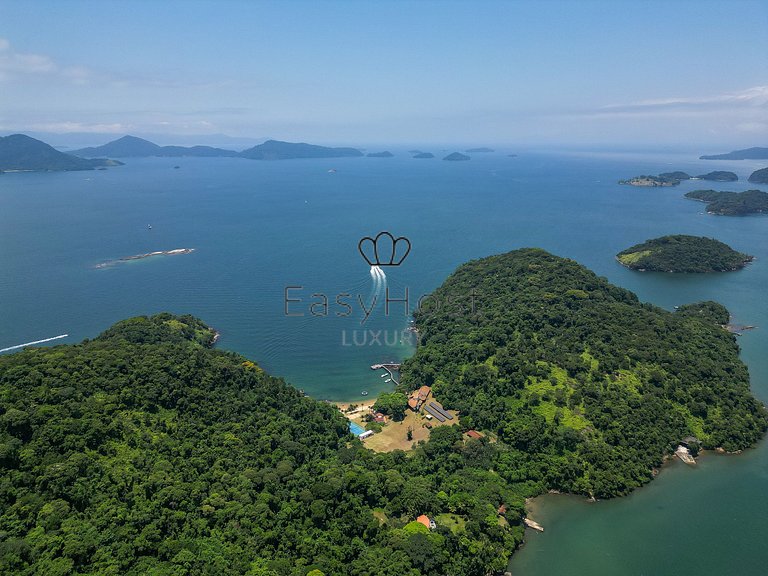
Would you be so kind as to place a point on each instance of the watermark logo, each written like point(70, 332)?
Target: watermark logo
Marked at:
point(379, 251)
point(384, 249)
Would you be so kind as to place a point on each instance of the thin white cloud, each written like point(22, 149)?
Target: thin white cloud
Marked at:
point(15, 64)
point(755, 96)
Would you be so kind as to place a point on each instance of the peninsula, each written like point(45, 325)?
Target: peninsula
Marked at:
point(759, 176)
point(755, 153)
point(683, 254)
point(587, 393)
point(576, 377)
point(732, 203)
point(22, 153)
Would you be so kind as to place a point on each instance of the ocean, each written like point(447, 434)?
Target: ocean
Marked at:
point(276, 269)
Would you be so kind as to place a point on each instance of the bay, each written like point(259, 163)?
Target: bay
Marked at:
point(261, 228)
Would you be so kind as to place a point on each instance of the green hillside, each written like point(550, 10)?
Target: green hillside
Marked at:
point(586, 387)
point(681, 253)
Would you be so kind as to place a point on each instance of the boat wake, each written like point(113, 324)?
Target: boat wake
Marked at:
point(378, 288)
point(32, 343)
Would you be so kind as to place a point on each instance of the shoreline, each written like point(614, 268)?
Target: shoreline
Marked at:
point(361, 407)
point(533, 504)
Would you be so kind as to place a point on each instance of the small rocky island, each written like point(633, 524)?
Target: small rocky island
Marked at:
point(683, 254)
point(385, 154)
point(759, 176)
point(456, 157)
point(424, 155)
point(732, 203)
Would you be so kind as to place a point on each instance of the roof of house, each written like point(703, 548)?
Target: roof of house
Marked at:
point(423, 519)
point(474, 434)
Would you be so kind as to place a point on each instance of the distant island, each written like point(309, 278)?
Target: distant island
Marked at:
point(386, 154)
point(133, 147)
point(746, 154)
point(278, 150)
point(674, 178)
point(652, 181)
point(424, 155)
point(22, 153)
point(719, 176)
point(683, 254)
point(456, 157)
point(759, 176)
point(481, 150)
point(732, 203)
point(175, 252)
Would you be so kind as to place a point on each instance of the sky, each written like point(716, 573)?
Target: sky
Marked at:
point(642, 73)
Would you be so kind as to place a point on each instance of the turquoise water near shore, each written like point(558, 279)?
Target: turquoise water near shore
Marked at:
point(259, 228)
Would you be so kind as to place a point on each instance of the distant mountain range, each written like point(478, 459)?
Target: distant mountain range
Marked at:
point(746, 154)
point(23, 153)
point(133, 147)
point(277, 150)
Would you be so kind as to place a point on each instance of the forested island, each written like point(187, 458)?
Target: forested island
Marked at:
point(674, 178)
point(719, 176)
point(456, 157)
point(22, 153)
point(424, 155)
point(732, 203)
point(663, 179)
point(585, 388)
point(385, 154)
point(683, 254)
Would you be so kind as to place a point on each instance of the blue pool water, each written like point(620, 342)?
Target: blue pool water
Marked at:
point(356, 429)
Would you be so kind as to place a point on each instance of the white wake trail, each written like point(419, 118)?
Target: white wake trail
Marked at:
point(33, 343)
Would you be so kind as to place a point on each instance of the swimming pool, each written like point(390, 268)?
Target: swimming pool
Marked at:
point(356, 429)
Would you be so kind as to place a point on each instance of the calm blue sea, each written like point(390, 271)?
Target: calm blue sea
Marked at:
point(266, 230)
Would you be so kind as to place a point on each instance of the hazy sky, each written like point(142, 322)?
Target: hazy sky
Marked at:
point(359, 72)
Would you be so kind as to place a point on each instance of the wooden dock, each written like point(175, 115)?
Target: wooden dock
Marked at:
point(391, 368)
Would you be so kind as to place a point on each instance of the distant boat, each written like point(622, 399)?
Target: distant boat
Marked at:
point(364, 392)
point(149, 226)
point(332, 171)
